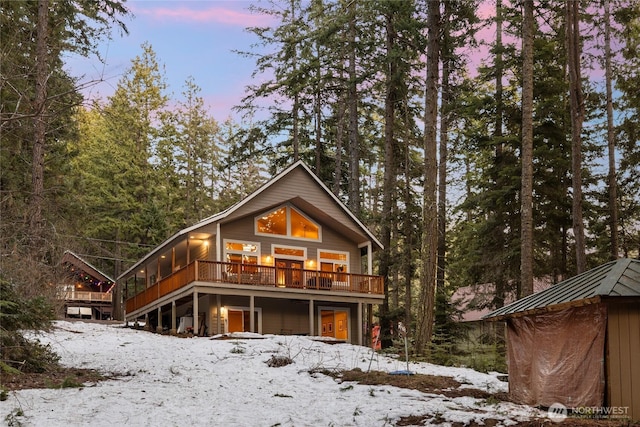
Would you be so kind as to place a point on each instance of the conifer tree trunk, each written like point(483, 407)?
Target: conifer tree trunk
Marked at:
point(611, 144)
point(577, 118)
point(352, 102)
point(442, 167)
point(337, 175)
point(296, 98)
point(526, 232)
point(499, 235)
point(39, 125)
point(390, 173)
point(424, 322)
point(408, 269)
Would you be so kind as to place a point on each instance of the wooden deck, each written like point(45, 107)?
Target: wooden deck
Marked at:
point(265, 277)
point(84, 296)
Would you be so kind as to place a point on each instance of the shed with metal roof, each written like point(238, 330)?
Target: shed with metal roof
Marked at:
point(577, 343)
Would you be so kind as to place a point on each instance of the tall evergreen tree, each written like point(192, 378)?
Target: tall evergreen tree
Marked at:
point(626, 15)
point(424, 324)
point(574, 50)
point(188, 157)
point(526, 231)
point(38, 98)
point(127, 200)
point(611, 144)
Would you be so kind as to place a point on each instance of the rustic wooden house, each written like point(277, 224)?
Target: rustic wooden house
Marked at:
point(87, 292)
point(577, 343)
point(288, 259)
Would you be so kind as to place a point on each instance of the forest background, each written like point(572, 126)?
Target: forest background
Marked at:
point(520, 168)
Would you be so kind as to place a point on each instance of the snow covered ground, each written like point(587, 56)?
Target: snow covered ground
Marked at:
point(170, 381)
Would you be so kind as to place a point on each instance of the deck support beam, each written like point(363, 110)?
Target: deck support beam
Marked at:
point(196, 324)
point(360, 325)
point(252, 315)
point(311, 328)
point(174, 330)
point(219, 313)
point(159, 325)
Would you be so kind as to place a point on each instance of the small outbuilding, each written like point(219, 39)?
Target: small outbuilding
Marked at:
point(577, 343)
point(87, 291)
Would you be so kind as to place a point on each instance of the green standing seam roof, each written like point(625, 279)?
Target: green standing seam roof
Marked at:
point(620, 278)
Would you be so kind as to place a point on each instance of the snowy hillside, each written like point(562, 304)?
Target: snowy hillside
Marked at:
point(170, 381)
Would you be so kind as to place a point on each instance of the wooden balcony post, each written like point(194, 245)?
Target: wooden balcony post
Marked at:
point(195, 264)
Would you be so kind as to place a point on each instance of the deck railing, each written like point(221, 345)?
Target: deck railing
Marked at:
point(256, 275)
point(85, 296)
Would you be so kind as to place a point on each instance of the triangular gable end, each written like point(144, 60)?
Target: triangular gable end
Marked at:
point(300, 187)
point(301, 183)
point(71, 258)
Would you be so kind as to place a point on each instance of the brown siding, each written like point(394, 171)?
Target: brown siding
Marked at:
point(623, 357)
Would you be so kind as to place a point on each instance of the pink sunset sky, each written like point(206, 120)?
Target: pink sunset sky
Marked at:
point(196, 38)
point(190, 38)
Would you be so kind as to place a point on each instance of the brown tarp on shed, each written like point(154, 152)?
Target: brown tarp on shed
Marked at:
point(558, 357)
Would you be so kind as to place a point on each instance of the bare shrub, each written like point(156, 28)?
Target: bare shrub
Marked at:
point(278, 361)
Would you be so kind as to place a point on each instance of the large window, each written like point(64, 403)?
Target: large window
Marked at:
point(238, 252)
point(287, 221)
point(334, 261)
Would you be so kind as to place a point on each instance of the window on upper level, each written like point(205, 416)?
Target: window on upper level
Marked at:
point(239, 252)
point(287, 221)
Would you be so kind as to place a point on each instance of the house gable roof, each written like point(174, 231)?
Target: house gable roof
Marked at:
point(619, 278)
point(71, 258)
point(332, 211)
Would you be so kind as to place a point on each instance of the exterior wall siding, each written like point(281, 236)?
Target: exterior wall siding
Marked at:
point(623, 348)
point(279, 316)
point(284, 317)
point(244, 230)
point(297, 183)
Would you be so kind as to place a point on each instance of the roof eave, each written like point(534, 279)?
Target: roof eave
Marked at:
point(541, 310)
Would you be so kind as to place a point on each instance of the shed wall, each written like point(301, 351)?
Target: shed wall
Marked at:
point(557, 357)
point(623, 359)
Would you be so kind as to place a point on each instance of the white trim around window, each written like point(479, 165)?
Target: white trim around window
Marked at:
point(334, 261)
point(302, 257)
point(288, 207)
point(242, 252)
